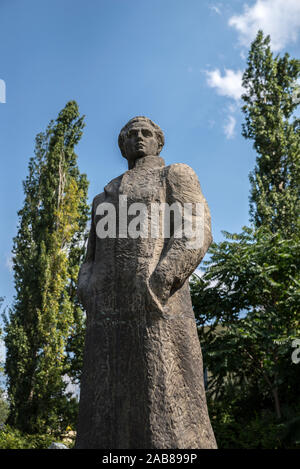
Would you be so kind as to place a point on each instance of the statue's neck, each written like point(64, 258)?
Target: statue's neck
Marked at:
point(148, 162)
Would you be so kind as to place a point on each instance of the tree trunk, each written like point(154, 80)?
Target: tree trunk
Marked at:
point(277, 404)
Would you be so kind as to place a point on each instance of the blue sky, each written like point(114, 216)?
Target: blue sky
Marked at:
point(178, 62)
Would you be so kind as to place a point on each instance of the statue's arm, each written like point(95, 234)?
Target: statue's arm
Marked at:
point(183, 255)
point(86, 268)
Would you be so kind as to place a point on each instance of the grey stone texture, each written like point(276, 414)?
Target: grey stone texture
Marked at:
point(142, 382)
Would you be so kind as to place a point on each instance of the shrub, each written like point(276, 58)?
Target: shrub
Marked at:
point(11, 438)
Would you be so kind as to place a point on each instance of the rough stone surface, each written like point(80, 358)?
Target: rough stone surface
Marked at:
point(142, 384)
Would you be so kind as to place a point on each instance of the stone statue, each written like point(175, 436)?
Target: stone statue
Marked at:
point(142, 382)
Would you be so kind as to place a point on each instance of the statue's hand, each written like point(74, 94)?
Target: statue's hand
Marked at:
point(161, 284)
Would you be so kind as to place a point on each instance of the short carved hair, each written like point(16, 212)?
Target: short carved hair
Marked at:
point(157, 130)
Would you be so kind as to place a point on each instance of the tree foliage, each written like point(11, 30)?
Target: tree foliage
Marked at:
point(254, 281)
point(247, 301)
point(45, 324)
point(270, 100)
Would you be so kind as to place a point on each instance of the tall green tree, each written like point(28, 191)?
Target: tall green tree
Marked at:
point(44, 328)
point(270, 99)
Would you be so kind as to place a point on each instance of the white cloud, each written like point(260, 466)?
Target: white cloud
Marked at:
point(278, 18)
point(9, 263)
point(233, 107)
point(229, 85)
point(229, 127)
point(2, 91)
point(216, 8)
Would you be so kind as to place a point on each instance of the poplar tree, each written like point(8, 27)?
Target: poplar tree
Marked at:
point(256, 272)
point(271, 96)
point(44, 328)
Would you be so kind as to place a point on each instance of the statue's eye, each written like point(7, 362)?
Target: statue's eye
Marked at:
point(147, 133)
point(131, 133)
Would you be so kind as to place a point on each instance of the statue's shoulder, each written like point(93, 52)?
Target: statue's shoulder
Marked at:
point(98, 199)
point(181, 173)
point(111, 186)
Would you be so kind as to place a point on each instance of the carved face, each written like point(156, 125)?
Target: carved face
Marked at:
point(140, 141)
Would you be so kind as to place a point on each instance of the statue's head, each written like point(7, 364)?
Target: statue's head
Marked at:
point(140, 137)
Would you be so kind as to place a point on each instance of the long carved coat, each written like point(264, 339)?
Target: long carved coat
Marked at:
point(142, 382)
